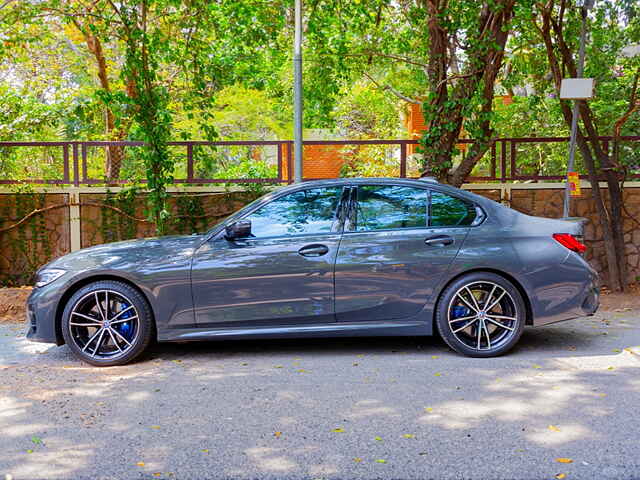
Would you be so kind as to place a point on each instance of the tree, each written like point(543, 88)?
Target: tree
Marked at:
point(557, 18)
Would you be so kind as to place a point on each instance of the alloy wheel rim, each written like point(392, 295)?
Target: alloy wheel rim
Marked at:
point(104, 324)
point(482, 315)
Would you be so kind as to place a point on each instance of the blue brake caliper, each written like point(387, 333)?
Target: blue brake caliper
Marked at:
point(125, 328)
point(459, 311)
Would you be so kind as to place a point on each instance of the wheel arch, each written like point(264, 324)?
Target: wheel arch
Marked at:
point(506, 276)
point(86, 281)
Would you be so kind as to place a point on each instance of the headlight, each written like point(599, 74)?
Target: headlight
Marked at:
point(47, 276)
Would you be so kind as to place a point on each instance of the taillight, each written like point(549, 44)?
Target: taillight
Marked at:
point(569, 241)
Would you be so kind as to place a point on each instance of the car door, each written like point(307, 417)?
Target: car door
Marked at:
point(281, 274)
point(398, 242)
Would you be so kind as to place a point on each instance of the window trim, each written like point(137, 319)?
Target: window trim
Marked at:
point(354, 200)
point(339, 225)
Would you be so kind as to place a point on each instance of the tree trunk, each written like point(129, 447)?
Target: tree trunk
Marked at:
point(445, 107)
point(114, 153)
point(610, 222)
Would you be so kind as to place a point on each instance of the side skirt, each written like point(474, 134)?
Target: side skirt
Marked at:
point(342, 329)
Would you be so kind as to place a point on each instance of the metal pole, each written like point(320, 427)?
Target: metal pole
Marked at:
point(297, 93)
point(575, 113)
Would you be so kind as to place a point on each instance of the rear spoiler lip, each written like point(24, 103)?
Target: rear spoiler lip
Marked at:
point(580, 221)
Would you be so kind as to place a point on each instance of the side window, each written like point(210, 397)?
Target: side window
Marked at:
point(447, 211)
point(383, 207)
point(305, 211)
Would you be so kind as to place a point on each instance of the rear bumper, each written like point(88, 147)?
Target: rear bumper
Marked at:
point(576, 294)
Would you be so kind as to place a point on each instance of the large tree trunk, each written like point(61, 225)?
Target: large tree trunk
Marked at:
point(445, 107)
point(590, 147)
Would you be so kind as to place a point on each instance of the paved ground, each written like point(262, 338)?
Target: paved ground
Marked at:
point(386, 408)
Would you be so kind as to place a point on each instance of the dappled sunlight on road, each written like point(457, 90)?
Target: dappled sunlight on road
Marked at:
point(359, 408)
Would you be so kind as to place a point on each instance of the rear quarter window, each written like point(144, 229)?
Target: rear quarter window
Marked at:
point(448, 211)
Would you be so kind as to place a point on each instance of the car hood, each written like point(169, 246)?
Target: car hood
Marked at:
point(130, 253)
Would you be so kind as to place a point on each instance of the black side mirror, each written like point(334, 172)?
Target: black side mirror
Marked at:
point(239, 229)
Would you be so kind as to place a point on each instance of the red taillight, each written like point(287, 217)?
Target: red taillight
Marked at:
point(571, 242)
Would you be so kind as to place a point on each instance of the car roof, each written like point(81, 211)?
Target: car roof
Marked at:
point(425, 182)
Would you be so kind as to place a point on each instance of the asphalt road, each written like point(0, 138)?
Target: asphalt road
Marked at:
point(363, 408)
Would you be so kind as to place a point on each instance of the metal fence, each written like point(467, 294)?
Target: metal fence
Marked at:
point(502, 163)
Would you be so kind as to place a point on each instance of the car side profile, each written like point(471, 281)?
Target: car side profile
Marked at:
point(344, 257)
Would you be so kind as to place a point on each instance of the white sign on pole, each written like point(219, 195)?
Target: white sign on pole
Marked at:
point(576, 88)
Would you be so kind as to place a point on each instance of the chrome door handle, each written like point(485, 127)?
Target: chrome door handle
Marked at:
point(439, 240)
point(313, 250)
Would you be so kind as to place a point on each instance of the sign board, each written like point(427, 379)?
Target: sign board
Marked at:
point(573, 178)
point(576, 88)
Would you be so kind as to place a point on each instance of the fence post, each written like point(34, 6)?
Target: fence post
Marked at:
point(75, 239)
point(403, 160)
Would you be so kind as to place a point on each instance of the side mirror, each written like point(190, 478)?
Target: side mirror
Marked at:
point(239, 229)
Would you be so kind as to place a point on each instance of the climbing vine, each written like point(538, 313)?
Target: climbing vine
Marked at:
point(30, 245)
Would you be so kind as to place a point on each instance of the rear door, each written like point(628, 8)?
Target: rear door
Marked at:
point(398, 242)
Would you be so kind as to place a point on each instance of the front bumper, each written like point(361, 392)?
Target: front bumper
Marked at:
point(41, 312)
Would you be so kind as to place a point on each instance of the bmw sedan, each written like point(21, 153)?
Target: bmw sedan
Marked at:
point(345, 257)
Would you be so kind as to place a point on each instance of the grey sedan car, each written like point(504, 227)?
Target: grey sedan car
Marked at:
point(345, 257)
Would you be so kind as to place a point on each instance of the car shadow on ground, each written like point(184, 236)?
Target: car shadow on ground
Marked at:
point(560, 340)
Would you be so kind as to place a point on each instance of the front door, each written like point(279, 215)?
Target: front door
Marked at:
point(281, 274)
point(398, 243)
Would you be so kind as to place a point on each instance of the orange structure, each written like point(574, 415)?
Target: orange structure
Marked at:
point(415, 124)
point(318, 161)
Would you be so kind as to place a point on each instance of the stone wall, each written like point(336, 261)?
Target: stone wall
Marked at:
point(108, 217)
point(35, 241)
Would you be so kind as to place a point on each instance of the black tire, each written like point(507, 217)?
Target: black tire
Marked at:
point(468, 327)
point(134, 313)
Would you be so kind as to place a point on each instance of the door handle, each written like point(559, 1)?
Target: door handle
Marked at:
point(313, 250)
point(439, 240)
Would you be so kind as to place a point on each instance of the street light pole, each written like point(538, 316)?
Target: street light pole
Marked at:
point(297, 93)
point(574, 118)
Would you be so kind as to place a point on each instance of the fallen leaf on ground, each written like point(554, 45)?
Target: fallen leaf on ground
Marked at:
point(617, 350)
point(278, 366)
point(205, 450)
point(537, 366)
point(357, 459)
point(437, 374)
point(36, 440)
point(428, 409)
point(155, 427)
point(560, 476)
point(381, 460)
point(379, 439)
point(277, 434)
point(564, 460)
point(29, 451)
point(434, 356)
point(553, 428)
point(409, 435)
point(302, 370)
point(338, 430)
point(157, 474)
point(611, 368)
point(140, 464)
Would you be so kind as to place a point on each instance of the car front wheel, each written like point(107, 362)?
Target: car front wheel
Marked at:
point(107, 323)
point(481, 315)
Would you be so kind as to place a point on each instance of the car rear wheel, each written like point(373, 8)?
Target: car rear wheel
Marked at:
point(481, 315)
point(107, 323)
